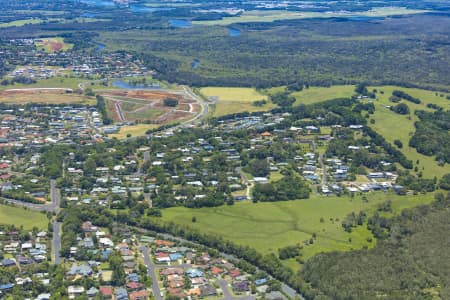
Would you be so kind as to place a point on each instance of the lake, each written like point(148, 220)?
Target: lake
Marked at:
point(180, 23)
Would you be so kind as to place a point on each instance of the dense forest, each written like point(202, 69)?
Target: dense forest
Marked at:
point(408, 50)
point(431, 136)
point(412, 261)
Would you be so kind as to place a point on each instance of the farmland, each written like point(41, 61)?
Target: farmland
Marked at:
point(22, 217)
point(235, 100)
point(395, 126)
point(44, 95)
point(270, 226)
point(53, 44)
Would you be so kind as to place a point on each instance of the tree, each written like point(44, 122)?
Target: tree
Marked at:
point(170, 102)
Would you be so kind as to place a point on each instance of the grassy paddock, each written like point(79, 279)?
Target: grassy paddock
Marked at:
point(395, 126)
point(135, 130)
point(19, 216)
point(270, 226)
point(319, 94)
point(235, 100)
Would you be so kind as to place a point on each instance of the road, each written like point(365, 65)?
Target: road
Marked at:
point(248, 184)
point(151, 268)
point(51, 207)
point(324, 171)
point(57, 242)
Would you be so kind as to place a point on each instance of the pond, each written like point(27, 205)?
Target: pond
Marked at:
point(125, 85)
point(180, 23)
point(233, 32)
point(99, 47)
point(195, 64)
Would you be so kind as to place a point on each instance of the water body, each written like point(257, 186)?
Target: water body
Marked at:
point(88, 15)
point(364, 18)
point(233, 32)
point(195, 64)
point(99, 47)
point(104, 3)
point(146, 9)
point(125, 85)
point(180, 23)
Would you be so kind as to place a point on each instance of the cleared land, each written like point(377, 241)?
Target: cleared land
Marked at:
point(270, 226)
point(235, 100)
point(53, 44)
point(135, 130)
point(22, 217)
point(273, 15)
point(148, 105)
point(395, 126)
point(49, 96)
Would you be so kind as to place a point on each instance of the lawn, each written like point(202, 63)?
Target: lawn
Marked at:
point(53, 44)
point(270, 226)
point(395, 126)
point(22, 217)
point(135, 130)
point(235, 100)
point(319, 94)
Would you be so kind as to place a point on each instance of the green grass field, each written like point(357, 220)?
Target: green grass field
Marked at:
point(135, 130)
point(19, 23)
point(270, 226)
point(319, 94)
point(395, 126)
point(233, 94)
point(22, 217)
point(273, 15)
point(57, 82)
point(235, 100)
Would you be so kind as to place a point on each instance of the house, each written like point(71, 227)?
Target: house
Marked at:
point(88, 227)
point(275, 295)
point(207, 290)
point(75, 291)
point(241, 286)
point(139, 295)
point(194, 273)
point(92, 292)
point(106, 292)
point(121, 294)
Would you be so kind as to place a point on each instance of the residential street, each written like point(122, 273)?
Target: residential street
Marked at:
point(56, 242)
point(151, 268)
